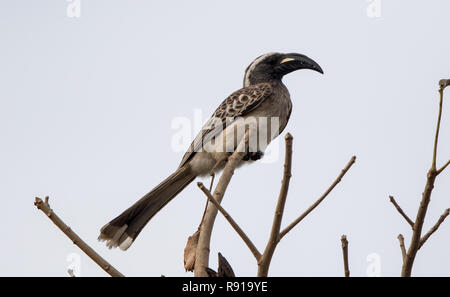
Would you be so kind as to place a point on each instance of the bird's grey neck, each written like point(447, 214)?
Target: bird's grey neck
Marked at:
point(258, 80)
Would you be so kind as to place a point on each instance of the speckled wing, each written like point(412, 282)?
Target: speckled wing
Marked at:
point(237, 104)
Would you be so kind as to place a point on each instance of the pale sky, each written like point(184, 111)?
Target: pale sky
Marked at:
point(86, 112)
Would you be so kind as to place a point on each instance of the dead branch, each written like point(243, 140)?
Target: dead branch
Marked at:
point(443, 83)
point(344, 242)
point(416, 239)
point(191, 246)
point(443, 167)
point(232, 222)
point(202, 254)
point(400, 210)
point(434, 228)
point(44, 206)
point(275, 234)
point(401, 240)
point(315, 204)
point(264, 263)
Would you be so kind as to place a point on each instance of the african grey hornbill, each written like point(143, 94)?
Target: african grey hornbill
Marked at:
point(263, 98)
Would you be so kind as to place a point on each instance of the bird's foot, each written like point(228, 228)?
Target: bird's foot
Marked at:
point(253, 156)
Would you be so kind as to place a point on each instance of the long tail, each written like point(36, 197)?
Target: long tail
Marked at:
point(123, 230)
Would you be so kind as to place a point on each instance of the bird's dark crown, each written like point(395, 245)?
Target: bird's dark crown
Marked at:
point(273, 66)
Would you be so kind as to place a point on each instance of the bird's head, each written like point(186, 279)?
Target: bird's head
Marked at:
point(274, 66)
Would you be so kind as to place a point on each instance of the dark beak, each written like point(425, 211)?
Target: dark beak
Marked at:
point(292, 62)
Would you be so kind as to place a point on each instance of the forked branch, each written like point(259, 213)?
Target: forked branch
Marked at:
point(417, 240)
point(315, 204)
point(434, 228)
point(443, 167)
point(264, 259)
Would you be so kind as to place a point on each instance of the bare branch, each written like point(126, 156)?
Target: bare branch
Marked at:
point(232, 222)
point(263, 265)
point(434, 228)
point(313, 206)
point(202, 255)
point(426, 195)
point(213, 175)
point(443, 167)
point(438, 125)
point(443, 83)
point(344, 242)
point(401, 240)
point(44, 206)
point(400, 210)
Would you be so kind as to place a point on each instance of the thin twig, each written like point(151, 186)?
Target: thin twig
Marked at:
point(275, 235)
point(344, 242)
point(436, 136)
point(434, 228)
point(44, 206)
point(401, 240)
point(232, 222)
point(426, 195)
point(202, 254)
point(263, 265)
point(313, 206)
point(400, 210)
point(213, 175)
point(443, 167)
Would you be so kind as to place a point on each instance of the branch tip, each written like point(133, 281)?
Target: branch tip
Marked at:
point(401, 240)
point(400, 211)
point(263, 266)
point(443, 83)
point(45, 208)
point(434, 228)
point(443, 168)
point(417, 241)
point(315, 204)
point(344, 243)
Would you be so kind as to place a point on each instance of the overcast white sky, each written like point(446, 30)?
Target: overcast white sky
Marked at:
point(86, 106)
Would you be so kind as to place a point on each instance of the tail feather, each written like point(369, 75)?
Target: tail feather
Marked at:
point(123, 230)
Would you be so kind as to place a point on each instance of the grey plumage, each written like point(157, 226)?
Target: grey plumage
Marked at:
point(263, 96)
point(237, 104)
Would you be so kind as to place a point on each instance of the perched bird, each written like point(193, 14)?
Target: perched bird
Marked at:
point(263, 98)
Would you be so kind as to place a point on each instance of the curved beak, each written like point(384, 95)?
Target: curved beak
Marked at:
point(294, 61)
